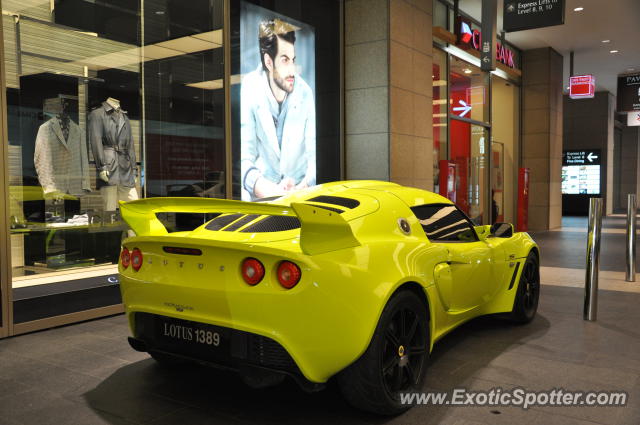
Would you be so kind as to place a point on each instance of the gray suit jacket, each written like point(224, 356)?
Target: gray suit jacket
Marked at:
point(62, 165)
point(112, 146)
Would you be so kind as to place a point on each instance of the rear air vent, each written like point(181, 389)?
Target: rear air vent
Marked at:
point(241, 222)
point(222, 221)
point(273, 223)
point(336, 200)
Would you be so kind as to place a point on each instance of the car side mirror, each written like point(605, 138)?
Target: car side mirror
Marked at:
point(501, 230)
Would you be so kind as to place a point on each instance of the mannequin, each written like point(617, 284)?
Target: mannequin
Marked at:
point(60, 155)
point(113, 149)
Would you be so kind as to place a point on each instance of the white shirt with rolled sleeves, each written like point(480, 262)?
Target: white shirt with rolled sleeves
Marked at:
point(262, 155)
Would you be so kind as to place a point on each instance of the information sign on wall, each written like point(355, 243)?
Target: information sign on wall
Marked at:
point(581, 172)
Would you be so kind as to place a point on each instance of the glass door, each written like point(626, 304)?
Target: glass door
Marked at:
point(469, 136)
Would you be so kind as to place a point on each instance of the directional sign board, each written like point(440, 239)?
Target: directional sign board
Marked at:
point(521, 15)
point(581, 172)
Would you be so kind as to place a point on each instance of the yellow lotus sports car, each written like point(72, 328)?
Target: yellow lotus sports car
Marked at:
point(352, 280)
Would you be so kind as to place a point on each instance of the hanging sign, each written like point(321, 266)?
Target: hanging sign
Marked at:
point(582, 86)
point(628, 93)
point(521, 15)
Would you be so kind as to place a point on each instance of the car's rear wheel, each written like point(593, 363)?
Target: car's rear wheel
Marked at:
point(395, 361)
point(525, 304)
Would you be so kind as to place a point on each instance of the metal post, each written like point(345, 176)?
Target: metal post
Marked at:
point(593, 260)
point(631, 238)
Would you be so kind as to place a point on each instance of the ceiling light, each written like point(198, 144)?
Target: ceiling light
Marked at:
point(606, 41)
point(631, 69)
point(613, 51)
point(467, 71)
point(578, 9)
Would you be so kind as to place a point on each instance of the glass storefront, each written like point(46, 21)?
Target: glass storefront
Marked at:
point(120, 100)
point(478, 175)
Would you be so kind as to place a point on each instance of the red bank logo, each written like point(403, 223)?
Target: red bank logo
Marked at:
point(474, 38)
point(465, 33)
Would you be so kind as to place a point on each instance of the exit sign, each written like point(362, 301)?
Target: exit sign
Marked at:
point(582, 86)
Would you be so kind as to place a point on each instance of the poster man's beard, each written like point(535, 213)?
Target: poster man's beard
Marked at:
point(281, 83)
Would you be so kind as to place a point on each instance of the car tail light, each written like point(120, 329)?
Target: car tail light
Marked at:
point(136, 259)
point(252, 271)
point(288, 274)
point(125, 257)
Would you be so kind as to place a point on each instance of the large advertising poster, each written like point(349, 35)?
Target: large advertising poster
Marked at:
point(277, 103)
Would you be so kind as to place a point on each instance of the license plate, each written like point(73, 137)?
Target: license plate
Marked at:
point(196, 338)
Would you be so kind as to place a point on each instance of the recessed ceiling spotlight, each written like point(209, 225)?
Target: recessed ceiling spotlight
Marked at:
point(159, 12)
point(606, 41)
point(578, 9)
point(631, 69)
point(613, 51)
point(467, 71)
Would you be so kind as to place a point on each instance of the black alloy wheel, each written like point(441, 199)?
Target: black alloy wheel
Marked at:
point(525, 304)
point(395, 361)
point(404, 352)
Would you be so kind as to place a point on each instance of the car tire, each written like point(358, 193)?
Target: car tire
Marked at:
point(525, 304)
point(167, 360)
point(395, 361)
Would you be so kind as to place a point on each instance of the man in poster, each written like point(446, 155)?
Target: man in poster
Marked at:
point(278, 123)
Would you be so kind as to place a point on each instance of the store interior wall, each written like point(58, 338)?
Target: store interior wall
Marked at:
point(506, 130)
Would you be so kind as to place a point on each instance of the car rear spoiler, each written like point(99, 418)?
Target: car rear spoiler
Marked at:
point(321, 230)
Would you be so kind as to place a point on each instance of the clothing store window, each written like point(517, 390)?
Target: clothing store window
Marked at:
point(107, 102)
point(286, 107)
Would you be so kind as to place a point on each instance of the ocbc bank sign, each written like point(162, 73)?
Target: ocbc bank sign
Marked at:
point(468, 37)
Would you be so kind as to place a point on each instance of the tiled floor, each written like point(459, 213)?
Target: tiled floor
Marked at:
point(566, 247)
point(86, 374)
